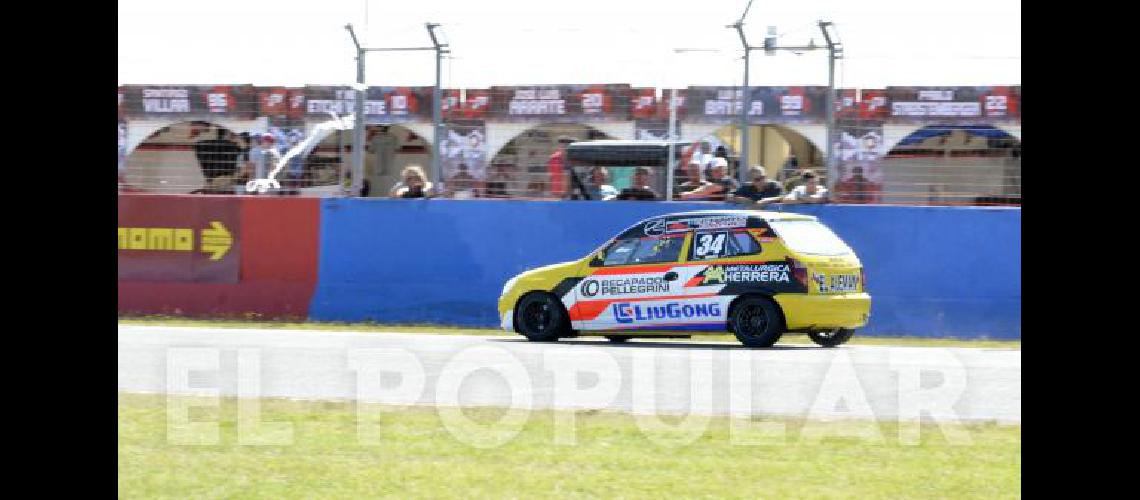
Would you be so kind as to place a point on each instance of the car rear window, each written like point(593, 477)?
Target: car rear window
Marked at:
point(809, 237)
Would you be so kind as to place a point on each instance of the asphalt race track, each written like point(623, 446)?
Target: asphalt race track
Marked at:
point(642, 376)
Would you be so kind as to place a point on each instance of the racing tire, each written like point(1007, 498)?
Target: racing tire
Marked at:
point(618, 339)
point(831, 338)
point(540, 317)
point(756, 322)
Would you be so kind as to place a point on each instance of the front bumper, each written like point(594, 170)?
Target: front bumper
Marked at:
point(844, 310)
point(508, 321)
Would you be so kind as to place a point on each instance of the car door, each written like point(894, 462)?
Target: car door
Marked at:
point(633, 283)
point(725, 263)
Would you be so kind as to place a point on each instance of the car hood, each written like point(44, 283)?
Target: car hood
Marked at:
point(559, 268)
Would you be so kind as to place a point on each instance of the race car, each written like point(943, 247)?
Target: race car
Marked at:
point(753, 273)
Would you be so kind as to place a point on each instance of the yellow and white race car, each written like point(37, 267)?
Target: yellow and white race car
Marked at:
point(755, 274)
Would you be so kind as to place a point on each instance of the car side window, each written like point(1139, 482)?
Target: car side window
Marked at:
point(743, 244)
point(620, 252)
point(718, 244)
point(647, 250)
point(656, 250)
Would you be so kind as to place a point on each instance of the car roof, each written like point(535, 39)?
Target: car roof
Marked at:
point(762, 214)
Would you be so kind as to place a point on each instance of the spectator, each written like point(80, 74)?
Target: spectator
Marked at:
point(498, 181)
point(556, 166)
point(462, 185)
point(810, 191)
point(639, 189)
point(414, 184)
point(264, 156)
point(687, 177)
point(759, 189)
point(597, 187)
point(718, 188)
point(857, 188)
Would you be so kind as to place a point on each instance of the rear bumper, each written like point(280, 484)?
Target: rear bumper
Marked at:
point(846, 310)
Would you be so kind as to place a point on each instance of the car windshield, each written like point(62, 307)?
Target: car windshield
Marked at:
point(810, 237)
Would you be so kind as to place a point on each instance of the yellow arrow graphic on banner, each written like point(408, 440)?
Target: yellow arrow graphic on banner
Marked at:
point(216, 240)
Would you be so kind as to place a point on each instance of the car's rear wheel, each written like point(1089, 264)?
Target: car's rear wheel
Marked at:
point(618, 339)
point(541, 318)
point(832, 337)
point(756, 322)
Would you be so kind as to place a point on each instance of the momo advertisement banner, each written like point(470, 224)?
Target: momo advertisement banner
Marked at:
point(179, 239)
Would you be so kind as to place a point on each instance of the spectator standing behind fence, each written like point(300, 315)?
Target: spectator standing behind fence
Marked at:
point(687, 176)
point(760, 188)
point(639, 189)
point(810, 191)
point(413, 185)
point(720, 185)
point(264, 156)
point(556, 166)
point(462, 185)
point(857, 188)
point(598, 187)
point(498, 181)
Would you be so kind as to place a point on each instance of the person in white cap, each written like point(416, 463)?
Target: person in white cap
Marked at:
point(718, 187)
point(260, 162)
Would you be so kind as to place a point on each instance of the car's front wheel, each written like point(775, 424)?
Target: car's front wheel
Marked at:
point(756, 321)
point(541, 318)
point(831, 338)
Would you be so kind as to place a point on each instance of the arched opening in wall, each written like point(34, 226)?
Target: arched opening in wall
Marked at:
point(522, 167)
point(185, 157)
point(953, 165)
point(388, 149)
point(783, 152)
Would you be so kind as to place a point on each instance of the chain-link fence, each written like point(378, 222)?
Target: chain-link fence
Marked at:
point(893, 146)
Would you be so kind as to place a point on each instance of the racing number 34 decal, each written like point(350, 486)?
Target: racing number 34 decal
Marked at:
point(709, 245)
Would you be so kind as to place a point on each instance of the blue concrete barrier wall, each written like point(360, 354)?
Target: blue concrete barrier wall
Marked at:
point(932, 271)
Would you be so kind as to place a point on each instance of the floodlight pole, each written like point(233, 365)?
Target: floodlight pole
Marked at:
point(359, 121)
point(672, 137)
point(743, 167)
point(437, 106)
point(835, 51)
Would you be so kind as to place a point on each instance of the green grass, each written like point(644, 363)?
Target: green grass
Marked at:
point(449, 330)
point(416, 457)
